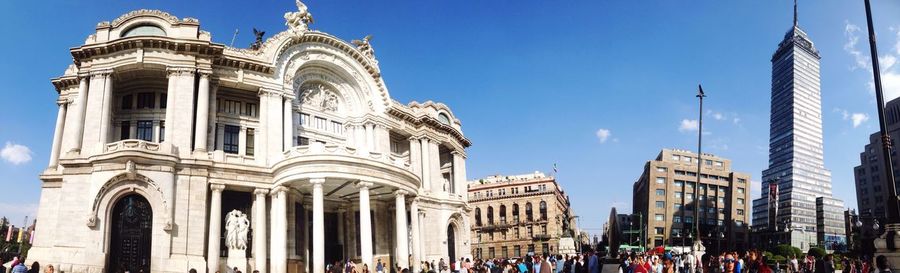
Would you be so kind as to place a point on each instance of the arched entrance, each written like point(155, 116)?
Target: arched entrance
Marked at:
point(451, 242)
point(130, 235)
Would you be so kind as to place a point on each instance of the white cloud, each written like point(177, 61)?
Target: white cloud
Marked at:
point(603, 135)
point(861, 61)
point(688, 125)
point(718, 116)
point(736, 120)
point(890, 83)
point(15, 153)
point(858, 118)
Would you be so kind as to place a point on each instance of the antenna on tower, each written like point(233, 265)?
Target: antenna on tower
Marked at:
point(795, 13)
point(236, 33)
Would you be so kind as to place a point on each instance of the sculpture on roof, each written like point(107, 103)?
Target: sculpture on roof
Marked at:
point(365, 47)
point(298, 22)
point(259, 39)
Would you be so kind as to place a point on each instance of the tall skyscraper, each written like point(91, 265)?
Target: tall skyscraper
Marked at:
point(796, 161)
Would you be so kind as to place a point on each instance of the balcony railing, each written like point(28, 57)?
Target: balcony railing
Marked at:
point(541, 237)
point(138, 145)
point(317, 148)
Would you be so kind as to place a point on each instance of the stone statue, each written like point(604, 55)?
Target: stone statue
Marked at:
point(298, 22)
point(319, 96)
point(236, 228)
point(259, 39)
point(365, 47)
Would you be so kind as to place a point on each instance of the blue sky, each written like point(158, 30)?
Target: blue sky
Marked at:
point(598, 87)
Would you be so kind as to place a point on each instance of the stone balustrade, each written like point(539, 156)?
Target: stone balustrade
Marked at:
point(333, 149)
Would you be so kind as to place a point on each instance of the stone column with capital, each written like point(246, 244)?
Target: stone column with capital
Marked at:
point(180, 100)
point(370, 138)
point(426, 163)
point(93, 114)
point(365, 224)
point(416, 251)
point(202, 117)
point(58, 133)
point(73, 141)
point(215, 227)
point(415, 156)
point(318, 260)
point(106, 111)
point(278, 253)
point(288, 127)
point(459, 173)
point(402, 244)
point(259, 231)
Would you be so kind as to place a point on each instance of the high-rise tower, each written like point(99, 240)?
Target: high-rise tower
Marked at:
point(796, 161)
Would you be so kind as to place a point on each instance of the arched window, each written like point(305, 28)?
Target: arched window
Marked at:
point(144, 30)
point(543, 210)
point(490, 216)
point(477, 217)
point(503, 214)
point(528, 214)
point(515, 213)
point(443, 118)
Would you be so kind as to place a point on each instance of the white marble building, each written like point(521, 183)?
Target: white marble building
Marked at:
point(162, 132)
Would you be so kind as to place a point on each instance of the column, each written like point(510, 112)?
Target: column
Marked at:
point(402, 244)
point(58, 133)
point(259, 230)
point(202, 118)
point(74, 141)
point(215, 227)
point(459, 173)
point(360, 138)
point(279, 230)
point(170, 103)
point(318, 260)
point(341, 229)
point(370, 137)
point(414, 214)
point(365, 224)
point(106, 111)
point(288, 124)
point(415, 157)
point(211, 139)
point(426, 164)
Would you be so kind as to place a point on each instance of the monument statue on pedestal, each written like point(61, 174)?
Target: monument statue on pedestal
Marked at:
point(236, 228)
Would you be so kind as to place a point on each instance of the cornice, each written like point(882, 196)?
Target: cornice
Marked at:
point(191, 47)
point(431, 122)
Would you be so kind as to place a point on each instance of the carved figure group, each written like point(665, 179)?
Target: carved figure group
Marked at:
point(298, 22)
point(318, 95)
point(236, 228)
point(365, 47)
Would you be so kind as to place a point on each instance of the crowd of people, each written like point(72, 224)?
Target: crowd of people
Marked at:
point(18, 266)
point(752, 261)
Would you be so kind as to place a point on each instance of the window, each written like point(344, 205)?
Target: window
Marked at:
point(443, 118)
point(676, 158)
point(125, 130)
point(708, 162)
point(677, 206)
point(146, 100)
point(230, 140)
point(304, 119)
point(739, 223)
point(740, 201)
point(302, 141)
point(251, 139)
point(660, 230)
point(528, 213)
point(517, 250)
point(677, 194)
point(659, 217)
point(690, 186)
point(162, 101)
point(145, 130)
point(660, 180)
point(740, 190)
point(477, 217)
point(321, 124)
point(515, 212)
point(740, 212)
point(660, 169)
point(718, 163)
point(543, 209)
point(250, 109)
point(660, 204)
point(530, 232)
point(503, 214)
point(689, 197)
point(127, 101)
point(689, 219)
point(676, 219)
point(686, 159)
point(679, 183)
point(660, 192)
point(337, 128)
point(504, 251)
point(722, 200)
point(144, 30)
point(544, 229)
point(229, 107)
point(162, 130)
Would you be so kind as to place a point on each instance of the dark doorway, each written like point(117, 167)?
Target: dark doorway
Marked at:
point(451, 242)
point(130, 235)
point(333, 249)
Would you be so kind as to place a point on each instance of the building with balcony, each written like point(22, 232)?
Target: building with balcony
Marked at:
point(673, 210)
point(517, 214)
point(162, 132)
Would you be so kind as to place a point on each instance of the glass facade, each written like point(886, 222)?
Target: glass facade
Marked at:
point(796, 161)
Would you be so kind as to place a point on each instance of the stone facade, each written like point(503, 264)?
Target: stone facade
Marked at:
point(514, 215)
point(666, 197)
point(161, 132)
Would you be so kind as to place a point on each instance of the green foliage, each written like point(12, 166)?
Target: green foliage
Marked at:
point(779, 259)
point(817, 252)
point(786, 251)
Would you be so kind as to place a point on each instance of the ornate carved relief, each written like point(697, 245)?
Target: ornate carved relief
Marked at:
point(298, 22)
point(319, 96)
point(128, 175)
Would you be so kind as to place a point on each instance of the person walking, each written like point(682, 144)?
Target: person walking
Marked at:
point(19, 267)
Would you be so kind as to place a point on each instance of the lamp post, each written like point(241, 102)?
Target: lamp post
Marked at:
point(700, 95)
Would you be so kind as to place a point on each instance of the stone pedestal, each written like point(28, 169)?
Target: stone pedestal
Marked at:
point(881, 248)
point(236, 258)
point(567, 246)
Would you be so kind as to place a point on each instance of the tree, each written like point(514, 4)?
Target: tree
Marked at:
point(817, 252)
point(786, 251)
